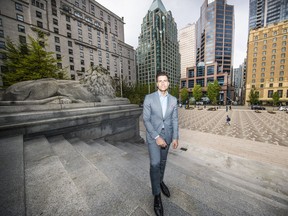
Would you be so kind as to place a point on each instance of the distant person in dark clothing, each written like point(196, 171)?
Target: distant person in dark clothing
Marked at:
point(228, 120)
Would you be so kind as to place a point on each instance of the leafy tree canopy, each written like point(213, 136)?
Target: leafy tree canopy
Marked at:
point(275, 98)
point(29, 62)
point(213, 90)
point(254, 96)
point(197, 92)
point(184, 94)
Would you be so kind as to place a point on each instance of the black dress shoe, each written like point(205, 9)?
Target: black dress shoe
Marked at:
point(164, 189)
point(158, 207)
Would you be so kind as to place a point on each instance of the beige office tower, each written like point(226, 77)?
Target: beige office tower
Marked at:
point(187, 47)
point(267, 67)
point(80, 33)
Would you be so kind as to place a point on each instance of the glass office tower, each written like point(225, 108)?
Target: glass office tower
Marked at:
point(264, 12)
point(215, 29)
point(158, 48)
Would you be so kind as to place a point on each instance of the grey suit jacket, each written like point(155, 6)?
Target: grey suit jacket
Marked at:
point(154, 120)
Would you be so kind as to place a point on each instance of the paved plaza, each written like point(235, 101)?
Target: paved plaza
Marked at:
point(245, 124)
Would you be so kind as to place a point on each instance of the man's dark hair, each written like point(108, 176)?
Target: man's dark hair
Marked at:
point(161, 74)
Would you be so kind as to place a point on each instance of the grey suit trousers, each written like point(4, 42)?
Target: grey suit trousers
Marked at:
point(158, 158)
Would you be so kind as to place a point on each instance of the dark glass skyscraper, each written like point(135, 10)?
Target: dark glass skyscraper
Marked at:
point(215, 29)
point(264, 12)
point(158, 48)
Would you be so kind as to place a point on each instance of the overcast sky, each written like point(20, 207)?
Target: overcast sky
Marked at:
point(184, 12)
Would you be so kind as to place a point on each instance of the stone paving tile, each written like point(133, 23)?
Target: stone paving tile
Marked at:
point(245, 124)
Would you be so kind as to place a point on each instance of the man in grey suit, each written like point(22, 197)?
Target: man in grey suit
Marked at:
point(160, 115)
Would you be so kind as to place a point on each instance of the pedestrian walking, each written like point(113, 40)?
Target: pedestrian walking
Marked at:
point(228, 119)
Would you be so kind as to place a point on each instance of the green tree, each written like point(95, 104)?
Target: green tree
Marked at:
point(29, 62)
point(254, 96)
point(175, 91)
point(213, 90)
point(275, 98)
point(184, 94)
point(197, 92)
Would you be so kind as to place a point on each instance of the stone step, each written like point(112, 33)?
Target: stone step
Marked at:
point(12, 197)
point(103, 196)
point(129, 181)
point(49, 188)
point(224, 199)
point(138, 166)
point(238, 194)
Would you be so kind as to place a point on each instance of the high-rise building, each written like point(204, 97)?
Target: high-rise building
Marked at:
point(214, 43)
point(80, 33)
point(264, 12)
point(267, 64)
point(158, 48)
point(187, 47)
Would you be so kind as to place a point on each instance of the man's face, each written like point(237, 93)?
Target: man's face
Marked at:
point(162, 83)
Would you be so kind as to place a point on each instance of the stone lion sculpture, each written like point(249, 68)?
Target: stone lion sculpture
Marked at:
point(95, 86)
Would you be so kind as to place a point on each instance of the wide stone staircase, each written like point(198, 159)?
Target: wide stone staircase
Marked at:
point(64, 175)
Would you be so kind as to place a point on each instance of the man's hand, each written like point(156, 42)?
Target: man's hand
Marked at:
point(175, 143)
point(161, 142)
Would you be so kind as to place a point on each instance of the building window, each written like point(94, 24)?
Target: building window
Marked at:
point(271, 85)
point(55, 21)
point(81, 54)
point(280, 93)
point(82, 62)
point(70, 43)
point(261, 80)
point(69, 35)
point(270, 93)
point(2, 45)
point(57, 48)
point(91, 57)
point(22, 39)
point(68, 27)
point(39, 24)
point(21, 28)
point(261, 85)
point(81, 47)
point(18, 6)
point(67, 18)
point(54, 11)
point(283, 49)
point(79, 24)
point(280, 84)
point(38, 14)
point(71, 59)
point(281, 73)
point(57, 39)
point(281, 78)
point(56, 30)
point(58, 56)
point(70, 51)
point(79, 32)
point(283, 55)
point(262, 74)
point(272, 74)
point(271, 79)
point(20, 17)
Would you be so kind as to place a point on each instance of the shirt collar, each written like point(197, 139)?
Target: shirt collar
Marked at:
point(160, 94)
